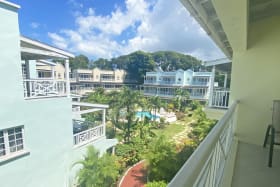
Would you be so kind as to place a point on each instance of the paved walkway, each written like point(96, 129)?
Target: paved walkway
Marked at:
point(135, 176)
point(182, 136)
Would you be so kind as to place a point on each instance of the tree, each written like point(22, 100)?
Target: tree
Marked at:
point(115, 102)
point(129, 101)
point(181, 95)
point(97, 171)
point(155, 102)
point(162, 164)
point(80, 61)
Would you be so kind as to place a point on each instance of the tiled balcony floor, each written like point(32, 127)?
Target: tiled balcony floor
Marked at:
point(251, 168)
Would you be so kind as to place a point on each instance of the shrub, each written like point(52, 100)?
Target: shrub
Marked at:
point(156, 184)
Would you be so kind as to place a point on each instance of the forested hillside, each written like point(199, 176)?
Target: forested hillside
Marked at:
point(139, 62)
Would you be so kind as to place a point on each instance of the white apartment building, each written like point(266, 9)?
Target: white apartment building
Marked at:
point(165, 84)
point(86, 80)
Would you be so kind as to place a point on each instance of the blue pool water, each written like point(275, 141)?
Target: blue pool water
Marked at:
point(146, 114)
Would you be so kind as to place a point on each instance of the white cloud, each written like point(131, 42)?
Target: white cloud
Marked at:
point(157, 25)
point(58, 40)
point(34, 25)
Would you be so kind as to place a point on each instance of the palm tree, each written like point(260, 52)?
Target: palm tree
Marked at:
point(97, 171)
point(155, 103)
point(129, 101)
point(115, 108)
point(181, 95)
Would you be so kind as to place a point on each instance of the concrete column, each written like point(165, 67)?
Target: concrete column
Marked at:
point(113, 150)
point(211, 91)
point(225, 81)
point(104, 120)
point(67, 78)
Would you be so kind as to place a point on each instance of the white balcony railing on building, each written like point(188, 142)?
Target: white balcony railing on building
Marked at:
point(89, 135)
point(107, 79)
point(220, 98)
point(197, 83)
point(150, 81)
point(206, 165)
point(168, 82)
point(35, 88)
point(85, 78)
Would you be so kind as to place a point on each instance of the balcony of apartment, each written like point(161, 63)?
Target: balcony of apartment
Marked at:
point(223, 159)
point(44, 87)
point(39, 80)
point(150, 81)
point(72, 77)
point(85, 132)
point(200, 83)
point(85, 78)
point(112, 79)
point(168, 82)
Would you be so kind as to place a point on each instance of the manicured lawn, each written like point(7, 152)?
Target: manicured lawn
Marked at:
point(169, 130)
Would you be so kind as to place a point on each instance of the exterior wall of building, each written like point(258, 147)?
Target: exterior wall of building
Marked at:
point(10, 59)
point(49, 142)
point(47, 122)
point(59, 71)
point(256, 90)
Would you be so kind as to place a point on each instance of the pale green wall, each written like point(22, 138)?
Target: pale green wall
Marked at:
point(49, 138)
point(47, 122)
point(255, 79)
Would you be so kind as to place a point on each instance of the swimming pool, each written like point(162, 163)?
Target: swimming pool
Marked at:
point(146, 114)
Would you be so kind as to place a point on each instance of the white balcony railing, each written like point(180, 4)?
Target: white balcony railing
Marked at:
point(150, 81)
point(206, 165)
point(36, 88)
point(89, 135)
point(220, 98)
point(85, 79)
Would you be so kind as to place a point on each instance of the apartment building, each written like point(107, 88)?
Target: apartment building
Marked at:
point(165, 84)
point(42, 132)
point(87, 80)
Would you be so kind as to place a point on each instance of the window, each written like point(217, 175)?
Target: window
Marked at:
point(11, 140)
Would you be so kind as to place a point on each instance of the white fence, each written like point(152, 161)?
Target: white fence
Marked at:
point(220, 98)
point(206, 165)
point(34, 88)
point(89, 135)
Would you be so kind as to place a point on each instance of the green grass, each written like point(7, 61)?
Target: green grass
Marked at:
point(169, 130)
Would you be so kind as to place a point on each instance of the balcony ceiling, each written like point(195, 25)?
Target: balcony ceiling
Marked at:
point(204, 13)
point(35, 50)
point(261, 9)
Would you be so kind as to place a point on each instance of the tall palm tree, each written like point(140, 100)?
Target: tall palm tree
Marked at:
point(181, 95)
point(156, 103)
point(129, 101)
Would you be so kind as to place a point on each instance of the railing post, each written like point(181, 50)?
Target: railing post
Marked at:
point(104, 120)
point(67, 78)
point(212, 81)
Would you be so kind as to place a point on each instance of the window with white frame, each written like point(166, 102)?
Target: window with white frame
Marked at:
point(11, 140)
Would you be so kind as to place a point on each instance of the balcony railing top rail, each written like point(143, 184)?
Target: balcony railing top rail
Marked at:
point(37, 88)
point(89, 135)
point(206, 164)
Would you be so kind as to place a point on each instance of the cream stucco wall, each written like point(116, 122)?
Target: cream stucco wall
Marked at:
point(255, 79)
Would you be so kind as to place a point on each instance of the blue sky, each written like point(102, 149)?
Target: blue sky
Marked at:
point(106, 29)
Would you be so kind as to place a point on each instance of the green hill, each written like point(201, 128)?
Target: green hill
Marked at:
point(139, 62)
